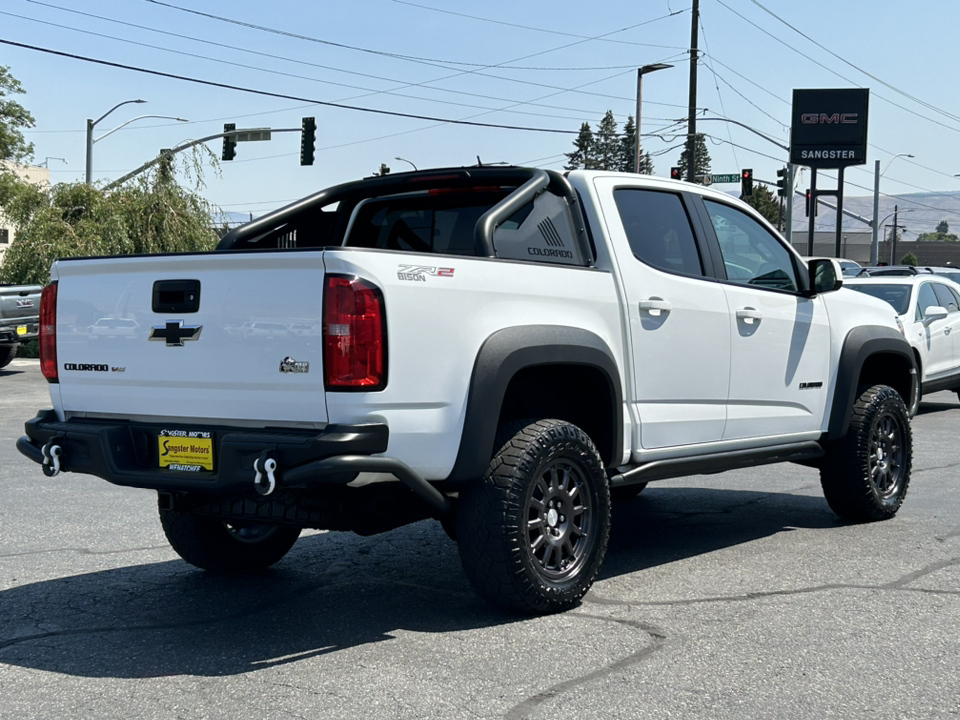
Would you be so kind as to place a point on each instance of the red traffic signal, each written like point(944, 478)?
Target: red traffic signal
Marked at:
point(675, 173)
point(746, 182)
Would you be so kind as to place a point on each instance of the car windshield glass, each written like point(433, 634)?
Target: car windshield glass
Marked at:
point(897, 295)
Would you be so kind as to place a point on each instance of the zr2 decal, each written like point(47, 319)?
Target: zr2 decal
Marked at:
point(419, 273)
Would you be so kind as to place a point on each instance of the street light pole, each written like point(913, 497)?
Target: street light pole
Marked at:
point(875, 238)
point(640, 73)
point(90, 125)
point(406, 161)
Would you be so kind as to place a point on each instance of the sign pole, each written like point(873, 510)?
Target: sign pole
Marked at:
point(813, 210)
point(838, 251)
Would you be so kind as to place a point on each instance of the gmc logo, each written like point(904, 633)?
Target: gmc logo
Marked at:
point(824, 119)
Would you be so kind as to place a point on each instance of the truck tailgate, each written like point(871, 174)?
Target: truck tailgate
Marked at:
point(228, 360)
point(18, 303)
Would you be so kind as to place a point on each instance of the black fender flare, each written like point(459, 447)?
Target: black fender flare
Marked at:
point(859, 345)
point(500, 358)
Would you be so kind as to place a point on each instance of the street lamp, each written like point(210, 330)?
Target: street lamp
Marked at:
point(406, 161)
point(640, 73)
point(875, 240)
point(90, 125)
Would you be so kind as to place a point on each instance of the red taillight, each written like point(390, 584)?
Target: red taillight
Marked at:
point(354, 335)
point(48, 332)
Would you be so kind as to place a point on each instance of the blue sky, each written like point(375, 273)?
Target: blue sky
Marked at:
point(548, 66)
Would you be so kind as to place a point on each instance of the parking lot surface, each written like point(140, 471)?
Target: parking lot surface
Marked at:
point(730, 596)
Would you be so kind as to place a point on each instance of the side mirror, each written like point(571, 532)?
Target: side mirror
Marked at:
point(934, 312)
point(825, 275)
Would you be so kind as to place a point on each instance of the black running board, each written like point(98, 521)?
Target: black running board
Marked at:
point(717, 462)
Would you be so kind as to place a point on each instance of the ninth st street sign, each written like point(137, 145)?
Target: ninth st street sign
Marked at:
point(829, 128)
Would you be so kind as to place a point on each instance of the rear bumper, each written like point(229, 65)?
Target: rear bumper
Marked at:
point(9, 334)
point(126, 453)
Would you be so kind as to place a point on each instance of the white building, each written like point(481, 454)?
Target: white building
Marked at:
point(31, 173)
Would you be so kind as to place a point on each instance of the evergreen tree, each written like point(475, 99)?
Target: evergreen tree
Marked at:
point(764, 202)
point(941, 234)
point(646, 164)
point(582, 156)
point(701, 158)
point(608, 146)
point(628, 145)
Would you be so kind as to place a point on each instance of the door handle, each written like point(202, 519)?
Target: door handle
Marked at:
point(749, 315)
point(655, 304)
point(946, 330)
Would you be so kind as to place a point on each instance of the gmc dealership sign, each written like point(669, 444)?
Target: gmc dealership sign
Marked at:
point(829, 128)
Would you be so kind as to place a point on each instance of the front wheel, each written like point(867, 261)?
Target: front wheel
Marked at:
point(225, 546)
point(865, 474)
point(533, 533)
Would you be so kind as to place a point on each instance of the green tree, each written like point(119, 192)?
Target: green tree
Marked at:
point(628, 145)
point(701, 158)
point(583, 153)
point(607, 144)
point(13, 119)
point(941, 234)
point(764, 202)
point(909, 259)
point(152, 214)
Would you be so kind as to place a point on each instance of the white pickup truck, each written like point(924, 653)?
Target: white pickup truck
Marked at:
point(499, 348)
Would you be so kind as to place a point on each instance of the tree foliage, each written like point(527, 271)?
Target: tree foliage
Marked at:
point(764, 202)
point(607, 149)
point(909, 259)
point(13, 119)
point(941, 234)
point(151, 214)
point(701, 157)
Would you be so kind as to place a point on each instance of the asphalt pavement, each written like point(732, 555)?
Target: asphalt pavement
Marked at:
point(730, 596)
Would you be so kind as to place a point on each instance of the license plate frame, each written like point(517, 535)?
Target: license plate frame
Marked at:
point(185, 450)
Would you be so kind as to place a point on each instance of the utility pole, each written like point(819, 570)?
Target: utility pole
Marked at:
point(692, 108)
point(893, 243)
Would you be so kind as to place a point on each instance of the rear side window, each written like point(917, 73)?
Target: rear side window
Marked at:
point(659, 230)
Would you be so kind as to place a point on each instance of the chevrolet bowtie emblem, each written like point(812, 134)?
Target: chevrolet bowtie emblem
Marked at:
point(175, 332)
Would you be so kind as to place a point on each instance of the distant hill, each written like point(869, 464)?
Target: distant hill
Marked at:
point(919, 212)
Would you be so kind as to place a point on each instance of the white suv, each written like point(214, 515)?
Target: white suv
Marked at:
point(928, 307)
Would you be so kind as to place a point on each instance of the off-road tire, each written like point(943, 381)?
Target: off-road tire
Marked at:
point(226, 547)
point(866, 473)
point(7, 354)
point(622, 493)
point(533, 533)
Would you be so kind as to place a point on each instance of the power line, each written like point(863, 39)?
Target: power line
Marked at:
point(855, 67)
point(834, 72)
point(551, 32)
point(716, 83)
point(265, 93)
point(410, 58)
point(404, 84)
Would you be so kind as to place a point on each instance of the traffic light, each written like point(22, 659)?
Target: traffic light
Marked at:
point(746, 183)
point(675, 173)
point(308, 136)
point(782, 189)
point(229, 142)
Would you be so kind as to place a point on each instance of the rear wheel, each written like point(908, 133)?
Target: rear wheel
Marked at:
point(7, 353)
point(533, 533)
point(228, 547)
point(866, 473)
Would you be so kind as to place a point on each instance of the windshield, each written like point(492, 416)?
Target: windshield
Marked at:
point(897, 295)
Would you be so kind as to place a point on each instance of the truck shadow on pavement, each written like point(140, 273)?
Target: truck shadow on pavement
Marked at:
point(334, 591)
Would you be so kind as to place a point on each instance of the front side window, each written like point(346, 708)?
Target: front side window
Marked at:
point(926, 298)
point(752, 255)
point(946, 297)
point(658, 230)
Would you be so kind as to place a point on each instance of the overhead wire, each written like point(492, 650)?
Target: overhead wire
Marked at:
point(411, 58)
point(834, 72)
point(716, 82)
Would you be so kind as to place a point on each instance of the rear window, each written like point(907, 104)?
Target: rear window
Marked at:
point(897, 295)
point(441, 223)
